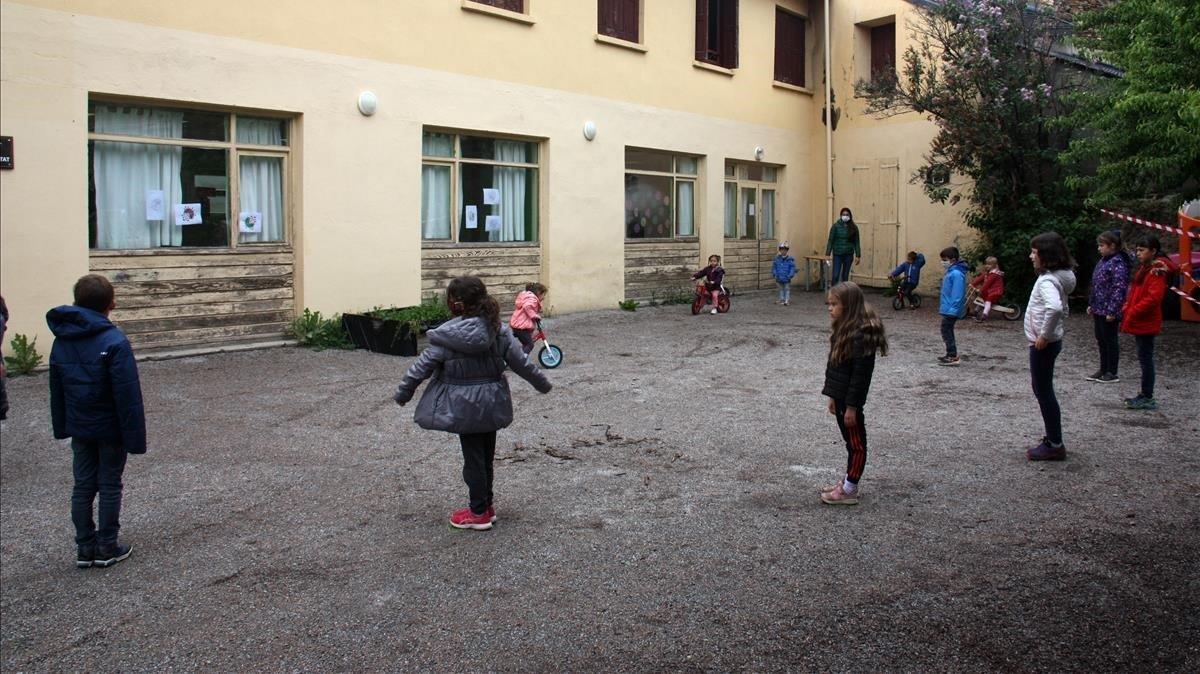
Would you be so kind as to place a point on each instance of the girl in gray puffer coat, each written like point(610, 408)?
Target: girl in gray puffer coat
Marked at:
point(469, 394)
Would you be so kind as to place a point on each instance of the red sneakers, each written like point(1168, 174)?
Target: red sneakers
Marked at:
point(491, 513)
point(465, 519)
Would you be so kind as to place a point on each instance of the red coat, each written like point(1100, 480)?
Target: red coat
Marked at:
point(1143, 306)
point(993, 286)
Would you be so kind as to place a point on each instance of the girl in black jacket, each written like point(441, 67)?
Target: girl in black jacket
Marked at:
point(857, 335)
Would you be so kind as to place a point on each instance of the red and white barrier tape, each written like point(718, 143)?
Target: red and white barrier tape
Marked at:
point(1185, 296)
point(1148, 223)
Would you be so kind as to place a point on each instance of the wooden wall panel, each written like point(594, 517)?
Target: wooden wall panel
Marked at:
point(741, 262)
point(505, 269)
point(660, 269)
point(196, 299)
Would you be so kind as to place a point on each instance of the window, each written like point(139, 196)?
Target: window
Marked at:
point(883, 51)
point(660, 194)
point(619, 19)
point(478, 189)
point(517, 6)
point(162, 177)
point(789, 47)
point(750, 195)
point(717, 32)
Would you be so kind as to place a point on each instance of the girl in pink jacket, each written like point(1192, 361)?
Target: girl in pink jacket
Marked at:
point(527, 311)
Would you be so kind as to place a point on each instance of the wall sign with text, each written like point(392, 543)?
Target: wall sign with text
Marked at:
point(6, 152)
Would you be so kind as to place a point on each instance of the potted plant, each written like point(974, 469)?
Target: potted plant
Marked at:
point(394, 330)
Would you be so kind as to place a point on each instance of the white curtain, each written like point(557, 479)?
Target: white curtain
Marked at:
point(511, 183)
point(260, 189)
point(435, 202)
point(685, 213)
point(123, 172)
point(731, 210)
point(767, 219)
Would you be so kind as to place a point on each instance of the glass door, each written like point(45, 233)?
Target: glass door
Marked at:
point(748, 225)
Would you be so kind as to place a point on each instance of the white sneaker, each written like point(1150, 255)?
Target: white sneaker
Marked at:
point(713, 312)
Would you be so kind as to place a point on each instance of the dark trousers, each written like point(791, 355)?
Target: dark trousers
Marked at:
point(479, 455)
point(1145, 354)
point(906, 289)
point(1041, 371)
point(856, 442)
point(525, 337)
point(948, 335)
point(1106, 340)
point(98, 470)
point(841, 268)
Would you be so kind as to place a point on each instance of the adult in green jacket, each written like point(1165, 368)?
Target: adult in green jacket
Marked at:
point(843, 245)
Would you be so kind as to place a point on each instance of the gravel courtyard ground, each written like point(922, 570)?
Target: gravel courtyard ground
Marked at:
point(658, 511)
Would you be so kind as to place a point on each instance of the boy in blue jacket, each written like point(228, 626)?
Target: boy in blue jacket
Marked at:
point(910, 270)
point(783, 268)
point(96, 400)
point(954, 301)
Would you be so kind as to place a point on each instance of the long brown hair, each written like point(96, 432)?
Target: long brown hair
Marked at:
point(857, 317)
point(468, 296)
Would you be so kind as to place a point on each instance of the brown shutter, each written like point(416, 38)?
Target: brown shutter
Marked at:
point(883, 50)
point(619, 19)
point(789, 48)
point(729, 33)
point(701, 30)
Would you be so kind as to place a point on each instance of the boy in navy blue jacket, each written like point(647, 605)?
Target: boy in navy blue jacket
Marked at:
point(96, 400)
point(908, 273)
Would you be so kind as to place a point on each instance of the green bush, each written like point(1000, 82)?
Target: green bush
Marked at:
point(431, 310)
point(25, 358)
point(628, 305)
point(317, 332)
point(684, 296)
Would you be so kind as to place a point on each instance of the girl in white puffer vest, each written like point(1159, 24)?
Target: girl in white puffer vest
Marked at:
point(1045, 324)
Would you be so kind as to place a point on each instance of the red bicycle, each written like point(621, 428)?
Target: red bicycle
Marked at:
point(704, 297)
point(550, 356)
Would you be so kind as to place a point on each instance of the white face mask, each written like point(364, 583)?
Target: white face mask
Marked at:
point(845, 218)
point(945, 264)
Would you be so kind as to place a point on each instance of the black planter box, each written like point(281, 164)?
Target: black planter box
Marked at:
point(380, 336)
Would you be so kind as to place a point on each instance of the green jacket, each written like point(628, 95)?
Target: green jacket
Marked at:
point(839, 240)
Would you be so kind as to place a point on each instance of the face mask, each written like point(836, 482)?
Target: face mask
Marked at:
point(845, 218)
point(945, 264)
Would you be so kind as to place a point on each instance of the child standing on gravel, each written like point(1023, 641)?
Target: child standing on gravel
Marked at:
point(96, 400)
point(1143, 314)
point(527, 311)
point(469, 394)
point(1045, 324)
point(953, 304)
point(1110, 284)
point(783, 268)
point(857, 333)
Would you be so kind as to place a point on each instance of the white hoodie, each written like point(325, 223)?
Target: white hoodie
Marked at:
point(1047, 311)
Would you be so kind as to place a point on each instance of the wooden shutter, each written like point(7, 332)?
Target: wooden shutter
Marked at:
point(701, 30)
point(619, 19)
point(789, 47)
point(883, 50)
point(511, 5)
point(729, 33)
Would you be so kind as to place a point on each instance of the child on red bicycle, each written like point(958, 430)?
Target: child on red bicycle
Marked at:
point(713, 275)
point(989, 285)
point(527, 311)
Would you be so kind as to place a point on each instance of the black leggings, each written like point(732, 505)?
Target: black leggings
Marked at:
point(479, 455)
point(1106, 340)
point(856, 442)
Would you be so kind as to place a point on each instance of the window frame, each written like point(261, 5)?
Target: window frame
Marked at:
point(455, 162)
point(737, 176)
point(676, 176)
point(725, 53)
point(233, 153)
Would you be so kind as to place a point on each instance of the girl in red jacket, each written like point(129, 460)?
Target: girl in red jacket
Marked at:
point(527, 311)
point(990, 286)
point(1143, 314)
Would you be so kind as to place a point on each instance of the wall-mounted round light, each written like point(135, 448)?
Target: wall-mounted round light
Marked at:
point(589, 129)
point(367, 103)
point(758, 153)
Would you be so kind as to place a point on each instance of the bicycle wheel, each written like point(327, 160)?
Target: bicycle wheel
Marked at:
point(1014, 315)
point(897, 302)
point(723, 304)
point(550, 357)
point(697, 304)
point(915, 300)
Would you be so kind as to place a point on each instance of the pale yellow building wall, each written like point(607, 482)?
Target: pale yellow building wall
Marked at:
point(357, 203)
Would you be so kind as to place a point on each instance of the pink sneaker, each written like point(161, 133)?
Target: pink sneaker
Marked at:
point(839, 497)
point(465, 519)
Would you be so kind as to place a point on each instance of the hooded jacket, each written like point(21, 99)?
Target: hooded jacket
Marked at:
point(1047, 311)
point(954, 291)
point(527, 311)
point(911, 271)
point(841, 241)
point(1143, 308)
point(990, 285)
point(783, 268)
point(95, 393)
point(1110, 284)
point(468, 392)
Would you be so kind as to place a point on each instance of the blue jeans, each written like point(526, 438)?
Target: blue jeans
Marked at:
point(1041, 371)
point(1145, 354)
point(841, 268)
point(98, 466)
point(948, 335)
point(785, 291)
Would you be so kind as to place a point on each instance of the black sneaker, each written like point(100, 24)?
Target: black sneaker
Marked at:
point(85, 556)
point(1107, 378)
point(1096, 376)
point(107, 555)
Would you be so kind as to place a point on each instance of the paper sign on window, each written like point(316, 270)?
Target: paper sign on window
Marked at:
point(491, 196)
point(751, 210)
point(188, 214)
point(472, 218)
point(250, 222)
point(156, 205)
point(492, 223)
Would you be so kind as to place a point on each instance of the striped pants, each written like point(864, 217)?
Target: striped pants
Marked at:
point(856, 442)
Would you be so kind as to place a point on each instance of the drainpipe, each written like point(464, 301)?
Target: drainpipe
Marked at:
point(828, 124)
